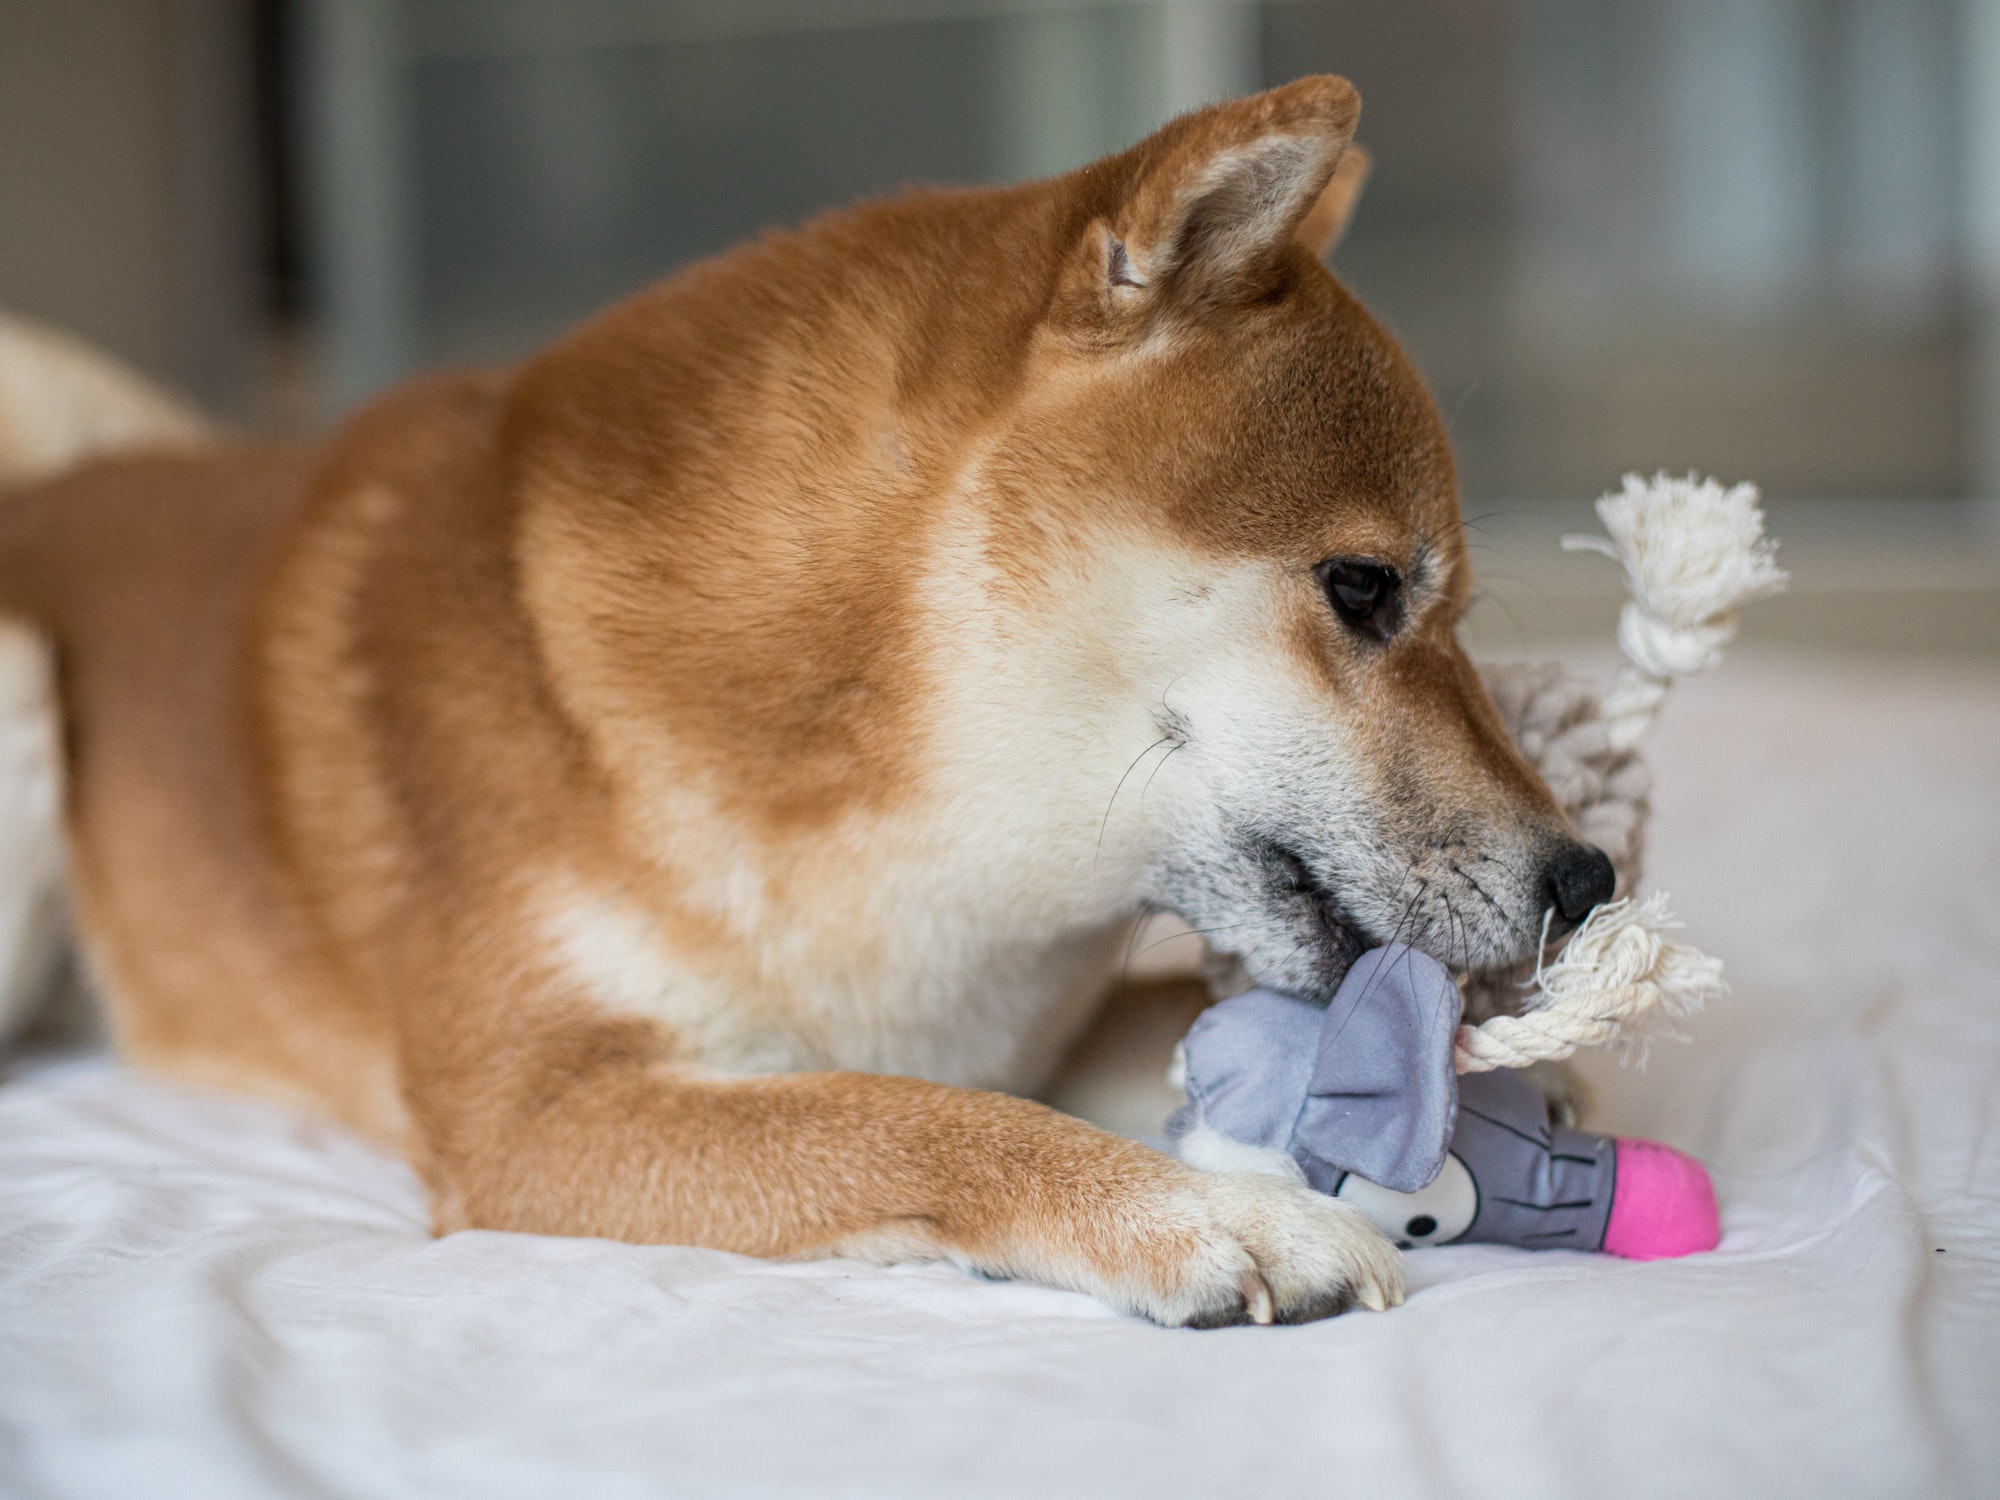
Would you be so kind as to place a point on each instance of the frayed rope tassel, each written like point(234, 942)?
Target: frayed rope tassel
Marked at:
point(1618, 981)
point(1692, 553)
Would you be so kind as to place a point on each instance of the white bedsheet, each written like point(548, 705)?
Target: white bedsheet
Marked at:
point(204, 1297)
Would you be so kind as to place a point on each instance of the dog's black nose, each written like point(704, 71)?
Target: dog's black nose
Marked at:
point(1578, 878)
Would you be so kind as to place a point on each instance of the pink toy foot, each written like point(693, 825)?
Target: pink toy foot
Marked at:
point(1662, 1204)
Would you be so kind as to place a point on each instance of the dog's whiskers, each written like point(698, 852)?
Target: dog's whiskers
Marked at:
point(1174, 937)
point(1104, 823)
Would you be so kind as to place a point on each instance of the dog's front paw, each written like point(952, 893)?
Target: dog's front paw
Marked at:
point(1225, 1248)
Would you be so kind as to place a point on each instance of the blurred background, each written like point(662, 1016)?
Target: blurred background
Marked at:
point(1757, 238)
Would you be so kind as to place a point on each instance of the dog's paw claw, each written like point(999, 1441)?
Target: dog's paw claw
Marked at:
point(1248, 1248)
point(1257, 1297)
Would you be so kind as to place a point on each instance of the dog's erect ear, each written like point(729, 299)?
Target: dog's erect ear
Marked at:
point(1213, 203)
point(1324, 226)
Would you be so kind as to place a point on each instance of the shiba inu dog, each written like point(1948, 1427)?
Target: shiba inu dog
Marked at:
point(687, 788)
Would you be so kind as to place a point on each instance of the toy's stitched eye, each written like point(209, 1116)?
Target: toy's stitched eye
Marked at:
point(1364, 594)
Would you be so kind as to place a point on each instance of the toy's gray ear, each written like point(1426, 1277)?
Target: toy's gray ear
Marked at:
point(1383, 1096)
point(1249, 1060)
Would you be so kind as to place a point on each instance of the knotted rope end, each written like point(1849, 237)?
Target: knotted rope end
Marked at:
point(1620, 982)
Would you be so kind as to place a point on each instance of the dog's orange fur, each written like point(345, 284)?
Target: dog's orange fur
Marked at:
point(336, 716)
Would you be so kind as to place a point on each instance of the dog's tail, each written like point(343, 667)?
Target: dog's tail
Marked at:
point(62, 401)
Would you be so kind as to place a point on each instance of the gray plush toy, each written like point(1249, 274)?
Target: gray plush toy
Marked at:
point(1362, 1101)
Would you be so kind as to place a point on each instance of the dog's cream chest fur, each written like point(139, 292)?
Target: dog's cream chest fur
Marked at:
point(1004, 1026)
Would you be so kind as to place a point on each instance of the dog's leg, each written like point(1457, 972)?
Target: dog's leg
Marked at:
point(593, 1132)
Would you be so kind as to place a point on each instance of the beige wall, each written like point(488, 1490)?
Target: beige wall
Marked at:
point(126, 181)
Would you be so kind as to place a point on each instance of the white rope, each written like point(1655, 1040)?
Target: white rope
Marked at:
point(1619, 980)
point(1692, 552)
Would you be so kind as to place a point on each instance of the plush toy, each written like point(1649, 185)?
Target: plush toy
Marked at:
point(1387, 1098)
point(1362, 1101)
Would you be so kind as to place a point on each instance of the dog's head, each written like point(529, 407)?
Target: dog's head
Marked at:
point(1040, 553)
point(1225, 483)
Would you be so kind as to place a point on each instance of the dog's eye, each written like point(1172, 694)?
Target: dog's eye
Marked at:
point(1364, 594)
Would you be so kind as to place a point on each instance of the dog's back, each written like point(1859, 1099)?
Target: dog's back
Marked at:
point(132, 587)
point(62, 403)
point(138, 573)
